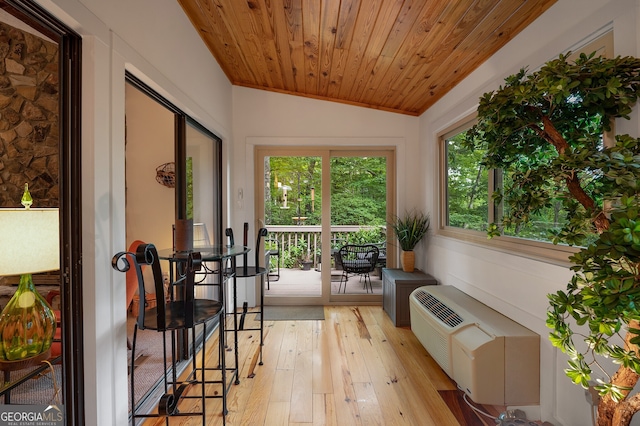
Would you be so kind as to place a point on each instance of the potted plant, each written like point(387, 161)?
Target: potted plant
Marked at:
point(297, 256)
point(306, 262)
point(409, 230)
point(545, 129)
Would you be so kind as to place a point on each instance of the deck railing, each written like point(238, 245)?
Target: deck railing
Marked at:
point(305, 240)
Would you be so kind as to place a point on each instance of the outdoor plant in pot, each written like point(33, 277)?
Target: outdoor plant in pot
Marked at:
point(297, 256)
point(410, 229)
point(545, 131)
point(306, 262)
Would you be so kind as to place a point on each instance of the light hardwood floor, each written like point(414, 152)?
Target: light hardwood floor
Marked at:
point(353, 368)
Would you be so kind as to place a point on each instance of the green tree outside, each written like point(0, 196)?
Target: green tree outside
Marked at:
point(358, 191)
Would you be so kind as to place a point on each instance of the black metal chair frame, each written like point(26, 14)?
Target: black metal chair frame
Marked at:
point(248, 271)
point(176, 312)
point(269, 253)
point(358, 260)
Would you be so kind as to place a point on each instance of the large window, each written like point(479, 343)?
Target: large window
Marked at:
point(469, 188)
point(472, 196)
point(471, 202)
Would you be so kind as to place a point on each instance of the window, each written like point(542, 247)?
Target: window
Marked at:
point(470, 203)
point(467, 186)
point(186, 159)
point(472, 197)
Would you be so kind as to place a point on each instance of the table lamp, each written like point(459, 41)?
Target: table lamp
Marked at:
point(200, 235)
point(29, 243)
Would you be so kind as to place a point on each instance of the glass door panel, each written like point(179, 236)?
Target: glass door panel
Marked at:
point(358, 217)
point(204, 189)
point(203, 203)
point(293, 215)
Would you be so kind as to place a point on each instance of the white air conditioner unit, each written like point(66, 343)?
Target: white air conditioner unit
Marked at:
point(493, 359)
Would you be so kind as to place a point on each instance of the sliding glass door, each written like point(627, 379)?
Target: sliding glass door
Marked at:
point(314, 201)
point(173, 171)
point(293, 215)
point(358, 217)
point(41, 125)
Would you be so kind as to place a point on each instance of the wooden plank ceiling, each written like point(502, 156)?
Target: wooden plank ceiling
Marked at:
point(394, 55)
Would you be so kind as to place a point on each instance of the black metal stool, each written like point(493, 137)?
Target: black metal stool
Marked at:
point(177, 312)
point(246, 271)
point(272, 250)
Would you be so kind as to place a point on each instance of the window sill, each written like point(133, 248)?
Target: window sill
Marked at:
point(535, 250)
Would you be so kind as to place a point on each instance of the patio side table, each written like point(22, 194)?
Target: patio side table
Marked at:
point(397, 286)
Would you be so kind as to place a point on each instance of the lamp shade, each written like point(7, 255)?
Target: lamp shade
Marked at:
point(29, 241)
point(200, 235)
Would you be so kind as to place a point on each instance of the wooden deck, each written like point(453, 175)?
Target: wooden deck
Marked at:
point(296, 282)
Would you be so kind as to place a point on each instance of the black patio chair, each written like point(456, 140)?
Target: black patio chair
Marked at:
point(358, 260)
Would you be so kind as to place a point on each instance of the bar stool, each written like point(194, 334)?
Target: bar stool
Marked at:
point(272, 250)
point(247, 271)
point(176, 311)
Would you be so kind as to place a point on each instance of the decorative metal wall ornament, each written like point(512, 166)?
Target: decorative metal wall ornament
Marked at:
point(166, 174)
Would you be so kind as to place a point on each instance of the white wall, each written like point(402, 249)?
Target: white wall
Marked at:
point(274, 119)
point(155, 41)
point(514, 285)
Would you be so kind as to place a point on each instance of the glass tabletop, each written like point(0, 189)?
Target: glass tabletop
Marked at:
point(208, 254)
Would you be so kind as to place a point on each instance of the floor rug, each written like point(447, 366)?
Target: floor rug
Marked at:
point(149, 360)
point(292, 313)
point(40, 390)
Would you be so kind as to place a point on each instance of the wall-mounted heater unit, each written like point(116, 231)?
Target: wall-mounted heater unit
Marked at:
point(493, 359)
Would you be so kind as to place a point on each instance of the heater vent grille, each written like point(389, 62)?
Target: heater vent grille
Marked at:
point(441, 311)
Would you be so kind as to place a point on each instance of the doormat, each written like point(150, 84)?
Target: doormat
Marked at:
point(292, 313)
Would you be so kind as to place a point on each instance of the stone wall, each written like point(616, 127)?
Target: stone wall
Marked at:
point(29, 116)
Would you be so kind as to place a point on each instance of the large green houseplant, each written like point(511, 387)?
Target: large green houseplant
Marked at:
point(545, 130)
point(410, 229)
